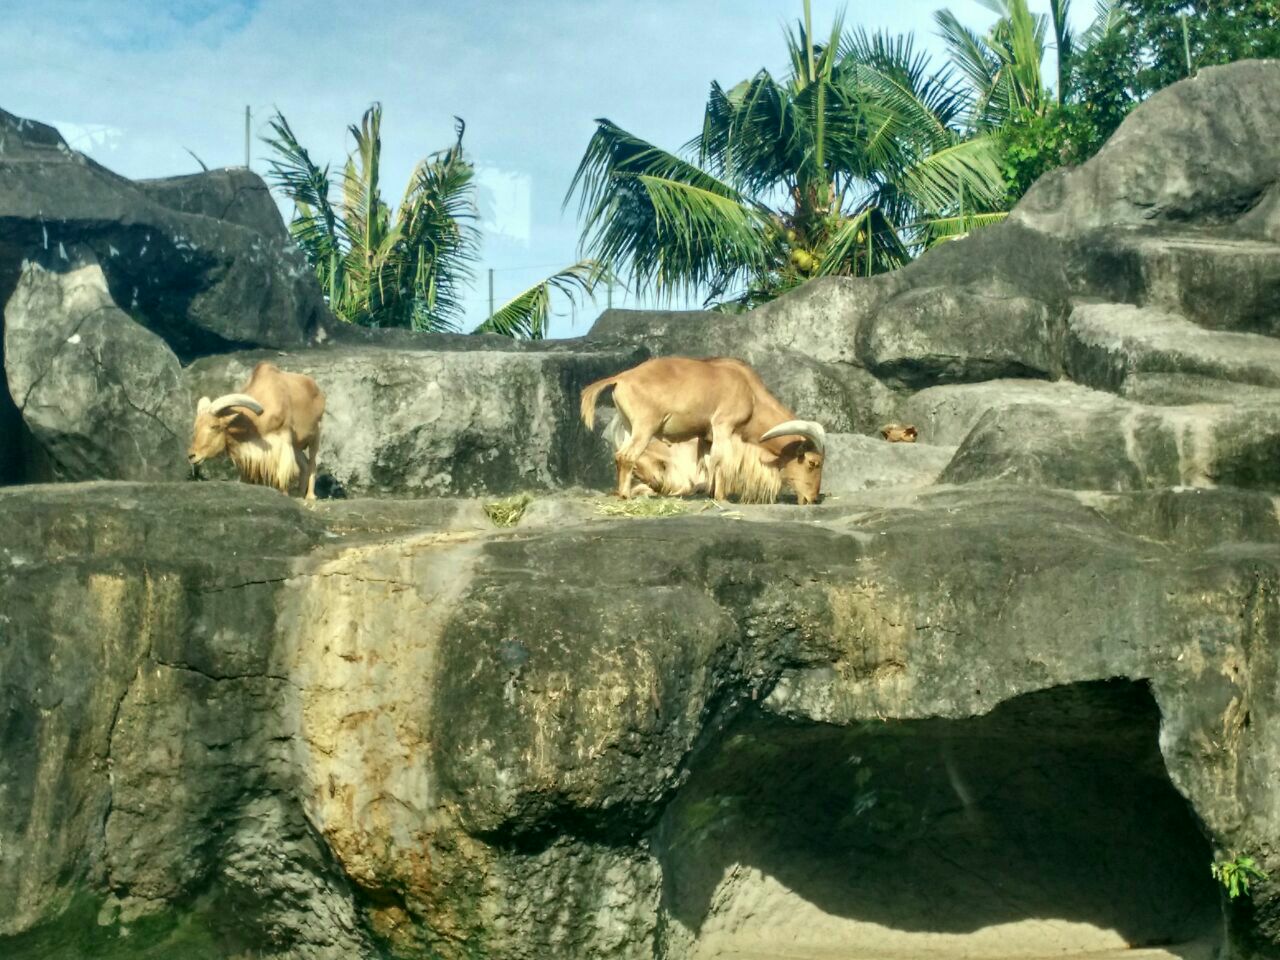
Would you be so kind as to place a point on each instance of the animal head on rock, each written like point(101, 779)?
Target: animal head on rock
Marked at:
point(757, 445)
point(800, 460)
point(897, 433)
point(213, 420)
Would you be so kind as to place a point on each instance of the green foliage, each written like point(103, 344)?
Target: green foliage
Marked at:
point(1236, 875)
point(1038, 143)
point(864, 154)
point(378, 270)
point(408, 270)
point(836, 168)
point(509, 511)
point(1217, 31)
point(1097, 89)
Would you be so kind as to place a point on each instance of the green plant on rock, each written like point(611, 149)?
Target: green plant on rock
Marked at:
point(1237, 874)
point(411, 268)
point(1041, 127)
point(508, 512)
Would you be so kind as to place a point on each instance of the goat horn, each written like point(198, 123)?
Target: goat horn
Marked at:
point(228, 400)
point(811, 430)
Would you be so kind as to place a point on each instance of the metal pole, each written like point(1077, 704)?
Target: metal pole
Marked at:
point(247, 121)
point(610, 289)
point(491, 291)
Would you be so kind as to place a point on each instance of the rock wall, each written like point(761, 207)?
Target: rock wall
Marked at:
point(1005, 692)
point(453, 740)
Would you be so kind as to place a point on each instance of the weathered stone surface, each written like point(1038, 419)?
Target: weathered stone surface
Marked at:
point(1153, 170)
point(819, 320)
point(234, 195)
point(353, 740)
point(100, 396)
point(945, 415)
point(202, 283)
point(935, 335)
point(1221, 282)
point(1123, 446)
point(857, 462)
point(1112, 346)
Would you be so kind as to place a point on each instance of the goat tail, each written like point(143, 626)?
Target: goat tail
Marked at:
point(617, 431)
point(590, 394)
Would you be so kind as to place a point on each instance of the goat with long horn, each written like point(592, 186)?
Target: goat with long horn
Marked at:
point(270, 430)
point(757, 445)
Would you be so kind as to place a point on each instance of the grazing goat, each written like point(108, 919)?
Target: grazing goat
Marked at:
point(665, 469)
point(270, 430)
point(756, 444)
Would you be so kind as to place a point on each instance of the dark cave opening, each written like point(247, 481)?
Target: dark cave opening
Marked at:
point(1048, 827)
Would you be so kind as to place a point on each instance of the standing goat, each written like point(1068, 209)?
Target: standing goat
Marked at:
point(270, 430)
point(756, 444)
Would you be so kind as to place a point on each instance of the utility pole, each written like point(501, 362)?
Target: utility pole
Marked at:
point(247, 122)
point(610, 289)
point(491, 291)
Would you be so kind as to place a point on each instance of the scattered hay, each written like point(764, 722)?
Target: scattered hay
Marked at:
point(643, 507)
point(507, 512)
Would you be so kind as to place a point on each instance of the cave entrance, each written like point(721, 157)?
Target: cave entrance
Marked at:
point(1047, 828)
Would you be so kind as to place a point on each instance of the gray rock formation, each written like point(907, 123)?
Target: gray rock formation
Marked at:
point(198, 260)
point(1006, 692)
point(442, 739)
point(98, 393)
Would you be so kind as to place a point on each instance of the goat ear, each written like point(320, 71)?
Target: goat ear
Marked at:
point(202, 405)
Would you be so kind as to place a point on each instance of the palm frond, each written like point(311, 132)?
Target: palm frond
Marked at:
point(441, 242)
point(971, 166)
point(1108, 15)
point(317, 227)
point(974, 59)
point(864, 244)
point(659, 219)
point(526, 314)
point(956, 227)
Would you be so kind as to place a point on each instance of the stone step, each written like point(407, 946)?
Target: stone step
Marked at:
point(857, 462)
point(945, 414)
point(1219, 283)
point(1157, 356)
point(1124, 446)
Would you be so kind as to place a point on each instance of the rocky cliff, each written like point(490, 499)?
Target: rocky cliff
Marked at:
point(1006, 692)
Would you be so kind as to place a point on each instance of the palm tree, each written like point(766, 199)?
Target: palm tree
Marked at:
point(1004, 67)
point(847, 165)
point(411, 270)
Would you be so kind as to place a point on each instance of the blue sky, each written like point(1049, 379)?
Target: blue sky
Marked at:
point(138, 83)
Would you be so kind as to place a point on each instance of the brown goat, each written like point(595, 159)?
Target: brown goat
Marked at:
point(665, 469)
point(270, 430)
point(756, 444)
